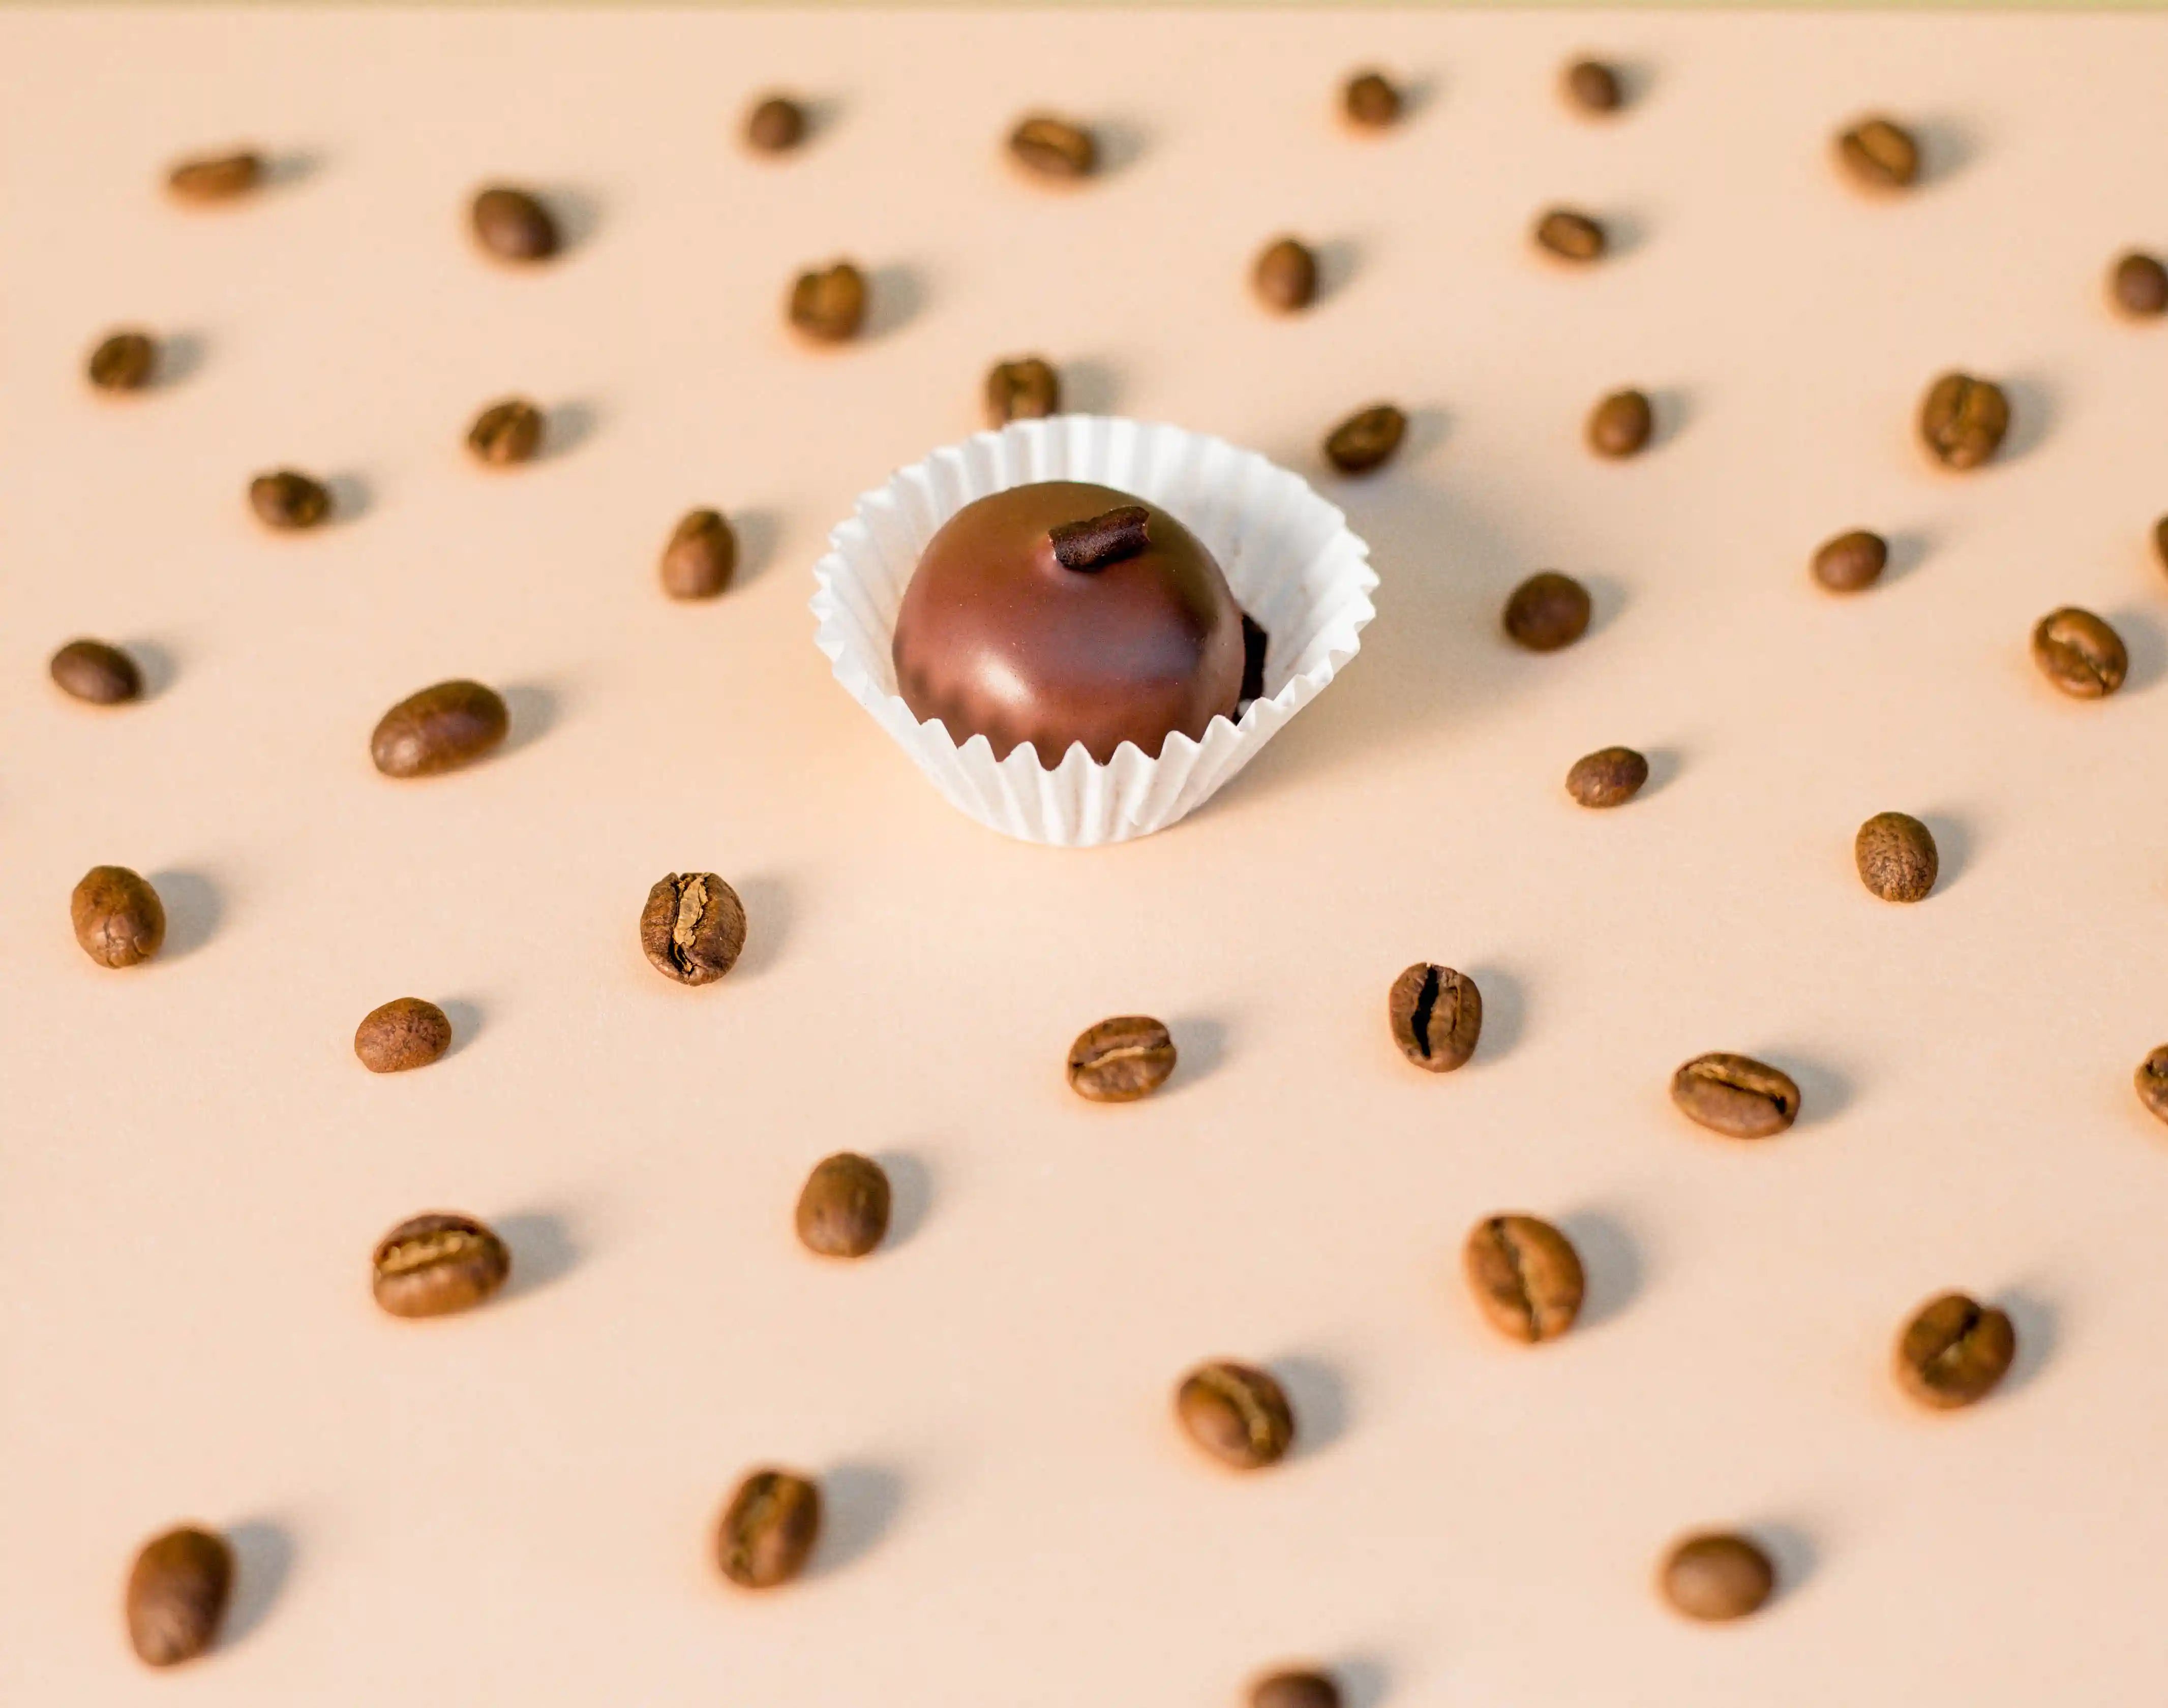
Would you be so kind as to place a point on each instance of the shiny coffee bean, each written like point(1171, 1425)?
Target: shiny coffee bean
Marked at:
point(828, 304)
point(92, 670)
point(435, 1265)
point(1435, 1015)
point(1570, 236)
point(408, 1032)
point(506, 433)
point(1610, 777)
point(1366, 440)
point(1054, 148)
point(1735, 1096)
point(692, 928)
point(769, 1529)
point(122, 362)
point(775, 125)
point(2080, 653)
point(701, 556)
point(512, 225)
point(2152, 1082)
point(1879, 154)
point(177, 1595)
point(1237, 1414)
point(1850, 561)
point(1963, 421)
point(1526, 1276)
point(438, 730)
point(844, 1210)
point(1370, 102)
point(2139, 285)
point(1284, 275)
point(1954, 1351)
point(1298, 1687)
point(1593, 86)
point(1895, 854)
point(288, 500)
point(1547, 612)
point(1717, 1575)
point(1120, 1060)
point(1621, 424)
point(118, 918)
point(216, 178)
point(1026, 389)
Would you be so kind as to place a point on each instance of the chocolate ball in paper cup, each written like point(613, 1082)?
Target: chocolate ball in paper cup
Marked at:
point(1074, 674)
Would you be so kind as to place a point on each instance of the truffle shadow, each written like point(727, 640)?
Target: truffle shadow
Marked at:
point(860, 1502)
point(195, 907)
point(1317, 1394)
point(262, 1562)
point(896, 296)
point(534, 709)
point(770, 911)
point(543, 1249)
point(1611, 1265)
point(911, 1195)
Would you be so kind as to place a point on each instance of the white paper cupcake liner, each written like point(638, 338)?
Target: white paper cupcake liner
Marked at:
point(1293, 563)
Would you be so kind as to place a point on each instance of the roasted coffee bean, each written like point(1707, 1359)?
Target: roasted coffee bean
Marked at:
point(1298, 1687)
point(692, 928)
point(1610, 777)
point(1091, 542)
point(176, 1594)
point(1255, 643)
point(1370, 101)
point(1547, 612)
point(2139, 285)
point(701, 556)
point(440, 728)
point(288, 500)
point(1593, 86)
point(1237, 1414)
point(1962, 420)
point(1054, 148)
point(92, 670)
point(1435, 1015)
point(2160, 541)
point(1735, 1096)
point(1284, 275)
point(1879, 154)
point(2079, 653)
point(405, 1032)
point(1526, 1276)
point(506, 433)
point(828, 304)
point(1027, 389)
point(512, 225)
point(1569, 236)
point(216, 178)
point(1850, 561)
point(1120, 1060)
point(844, 1210)
point(1717, 1575)
point(118, 917)
point(435, 1265)
point(768, 1529)
point(775, 125)
point(1366, 440)
point(1895, 854)
point(2152, 1082)
point(1621, 424)
point(1954, 1351)
point(122, 362)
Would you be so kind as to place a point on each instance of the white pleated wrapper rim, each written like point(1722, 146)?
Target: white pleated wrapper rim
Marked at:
point(1292, 561)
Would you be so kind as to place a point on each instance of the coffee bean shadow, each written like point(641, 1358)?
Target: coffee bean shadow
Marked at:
point(1825, 1092)
point(535, 708)
point(1338, 261)
point(1954, 849)
point(1505, 1013)
point(288, 167)
point(823, 114)
point(262, 1562)
point(1427, 430)
point(578, 212)
point(1418, 95)
point(911, 1195)
point(465, 1015)
point(896, 296)
point(1907, 552)
point(759, 532)
point(1792, 1550)
point(1626, 232)
point(1364, 1680)
point(1317, 1394)
point(769, 910)
point(1122, 143)
point(2037, 1321)
point(1671, 408)
point(351, 496)
point(858, 1506)
point(155, 663)
point(1607, 600)
point(180, 356)
point(1200, 1047)
point(1947, 146)
point(1637, 82)
point(1665, 764)
point(1089, 386)
point(194, 908)
point(2032, 407)
point(1611, 1263)
point(2142, 639)
point(544, 1250)
point(567, 426)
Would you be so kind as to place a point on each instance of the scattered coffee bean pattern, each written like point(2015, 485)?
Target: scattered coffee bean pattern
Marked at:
point(844, 1210)
point(828, 304)
point(122, 362)
point(1025, 388)
point(118, 919)
point(1610, 777)
point(1284, 275)
point(1054, 148)
point(94, 671)
point(775, 125)
point(1717, 1575)
point(692, 928)
point(1548, 611)
point(1236, 1412)
point(177, 1595)
point(1962, 420)
point(1435, 1015)
point(440, 728)
point(1954, 1351)
point(1296, 1688)
point(1593, 86)
point(1737, 1096)
point(435, 1265)
point(768, 1529)
point(288, 500)
point(1526, 1276)
point(1570, 235)
point(1370, 101)
point(1619, 426)
point(701, 556)
point(2080, 653)
point(506, 433)
point(1366, 439)
point(1120, 1060)
point(512, 225)
point(216, 178)
point(1895, 854)
point(1879, 153)
point(408, 1031)
point(1848, 562)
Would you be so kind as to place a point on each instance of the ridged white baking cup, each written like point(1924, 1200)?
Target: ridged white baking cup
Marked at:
point(1293, 563)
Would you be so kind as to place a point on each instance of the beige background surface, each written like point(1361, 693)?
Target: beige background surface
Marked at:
point(515, 1507)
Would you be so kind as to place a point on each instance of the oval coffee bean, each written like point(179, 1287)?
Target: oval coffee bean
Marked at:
point(1526, 1276)
point(1621, 424)
point(1297, 1687)
point(1879, 154)
point(1895, 854)
point(1054, 148)
point(1735, 1096)
point(1237, 1414)
point(92, 670)
point(1370, 102)
point(440, 728)
point(2139, 285)
point(1027, 389)
point(2152, 1081)
point(216, 178)
point(118, 919)
point(1120, 1060)
point(1717, 1575)
point(176, 1594)
point(1547, 612)
point(512, 225)
point(1284, 275)
point(122, 362)
point(1593, 86)
point(1962, 420)
point(692, 928)
point(775, 125)
point(769, 1529)
point(435, 1265)
point(1850, 561)
point(1435, 1015)
point(701, 557)
point(506, 433)
point(828, 304)
point(1954, 1351)
point(1570, 236)
point(405, 1032)
point(286, 499)
point(1366, 440)
point(1610, 777)
point(2080, 653)
point(844, 1210)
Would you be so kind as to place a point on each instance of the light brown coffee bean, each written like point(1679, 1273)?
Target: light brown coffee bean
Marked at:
point(775, 125)
point(118, 918)
point(1954, 1351)
point(1120, 1060)
point(1620, 426)
point(177, 1595)
point(1570, 236)
point(1547, 612)
point(1717, 1575)
point(2139, 285)
point(1610, 777)
point(2152, 1081)
point(1025, 388)
point(843, 1209)
point(1370, 102)
point(506, 433)
point(1435, 1015)
point(405, 1032)
point(1526, 1276)
point(216, 178)
point(1054, 148)
point(1963, 421)
point(1593, 86)
point(512, 225)
point(1236, 1412)
point(1879, 154)
point(828, 304)
point(1850, 561)
point(1735, 1096)
point(692, 928)
point(435, 1265)
point(440, 728)
point(1366, 440)
point(122, 362)
point(768, 1529)
point(92, 670)
point(1895, 854)
point(2080, 653)
point(1296, 1687)
point(701, 556)
point(1284, 275)
point(288, 500)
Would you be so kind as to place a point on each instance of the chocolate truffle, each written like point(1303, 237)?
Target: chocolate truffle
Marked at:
point(1063, 613)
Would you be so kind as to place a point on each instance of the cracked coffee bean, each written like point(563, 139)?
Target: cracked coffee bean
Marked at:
point(1054, 148)
point(1120, 1060)
point(775, 125)
point(506, 433)
point(1298, 1687)
point(1850, 561)
point(512, 225)
point(1593, 86)
point(768, 1529)
point(288, 500)
point(1366, 440)
point(701, 557)
point(92, 670)
point(1026, 389)
point(1954, 1351)
point(1717, 1575)
point(1284, 275)
point(433, 1265)
point(2152, 1082)
point(216, 178)
point(1370, 101)
point(844, 1210)
point(1237, 1414)
point(1526, 1276)
point(119, 920)
point(1621, 424)
point(1735, 1096)
point(1895, 854)
point(1610, 777)
point(177, 1595)
point(1879, 154)
point(2139, 285)
point(405, 1032)
point(1547, 612)
point(1963, 421)
point(122, 362)
point(1435, 1015)
point(1570, 236)
point(2080, 653)
point(438, 730)
point(828, 304)
point(694, 927)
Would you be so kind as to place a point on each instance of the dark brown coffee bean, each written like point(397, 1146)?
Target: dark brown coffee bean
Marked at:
point(506, 433)
point(405, 1032)
point(122, 362)
point(701, 556)
point(2079, 653)
point(1850, 561)
point(1366, 440)
point(512, 225)
point(1895, 854)
point(1735, 1096)
point(1054, 148)
point(1120, 1060)
point(775, 125)
point(216, 178)
point(1027, 389)
point(118, 917)
point(1370, 101)
point(1717, 1577)
point(1621, 424)
point(1284, 275)
point(1547, 612)
point(1593, 86)
point(1237, 1414)
point(1954, 1351)
point(1526, 1276)
point(768, 1529)
point(1570, 236)
point(432, 1265)
point(844, 1210)
point(1879, 154)
point(287, 501)
point(1255, 643)
point(2152, 1082)
point(1962, 420)
point(1090, 543)
point(828, 304)
point(692, 928)
point(1298, 1687)
point(1610, 777)
point(2160, 541)
point(92, 670)
point(440, 728)
point(176, 1594)
point(2139, 285)
point(1435, 1015)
